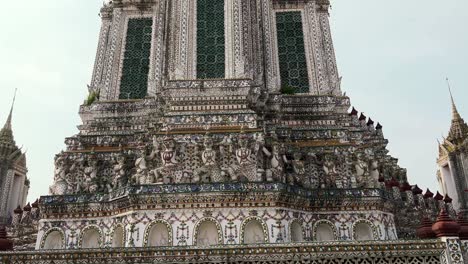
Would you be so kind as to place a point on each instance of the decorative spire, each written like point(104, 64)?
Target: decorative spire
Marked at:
point(7, 125)
point(447, 199)
point(459, 129)
point(35, 205)
point(438, 197)
point(6, 134)
point(362, 117)
point(27, 208)
point(18, 210)
point(416, 190)
point(354, 112)
point(428, 194)
point(455, 113)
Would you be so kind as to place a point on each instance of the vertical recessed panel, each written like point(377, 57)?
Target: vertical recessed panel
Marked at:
point(134, 81)
point(210, 39)
point(292, 57)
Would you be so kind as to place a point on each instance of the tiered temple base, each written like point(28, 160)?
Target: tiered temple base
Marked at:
point(214, 214)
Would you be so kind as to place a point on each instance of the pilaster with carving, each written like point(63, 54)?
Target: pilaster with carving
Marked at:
point(103, 46)
point(114, 44)
point(182, 41)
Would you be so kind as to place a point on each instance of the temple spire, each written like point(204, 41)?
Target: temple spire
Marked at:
point(7, 125)
point(455, 114)
point(459, 129)
point(6, 133)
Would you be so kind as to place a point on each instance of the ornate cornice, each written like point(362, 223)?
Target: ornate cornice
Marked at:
point(222, 195)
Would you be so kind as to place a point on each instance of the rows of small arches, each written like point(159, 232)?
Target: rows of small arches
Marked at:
point(208, 232)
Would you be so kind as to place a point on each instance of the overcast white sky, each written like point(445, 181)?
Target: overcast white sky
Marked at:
point(393, 56)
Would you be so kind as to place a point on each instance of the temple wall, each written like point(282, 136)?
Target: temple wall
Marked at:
point(183, 226)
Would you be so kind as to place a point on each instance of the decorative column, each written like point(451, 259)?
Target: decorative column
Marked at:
point(320, 46)
point(234, 41)
point(334, 82)
point(111, 54)
point(157, 64)
point(182, 43)
point(269, 51)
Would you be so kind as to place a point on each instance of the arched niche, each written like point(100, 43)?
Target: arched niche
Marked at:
point(324, 231)
point(363, 231)
point(91, 238)
point(158, 234)
point(53, 239)
point(118, 237)
point(297, 234)
point(254, 231)
point(208, 233)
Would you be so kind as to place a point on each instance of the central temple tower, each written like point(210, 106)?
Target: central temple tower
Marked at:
point(221, 122)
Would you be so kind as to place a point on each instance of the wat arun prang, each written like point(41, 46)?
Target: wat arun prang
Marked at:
point(218, 131)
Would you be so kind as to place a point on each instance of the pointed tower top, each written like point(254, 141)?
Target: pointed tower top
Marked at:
point(6, 133)
point(8, 121)
point(455, 113)
point(459, 129)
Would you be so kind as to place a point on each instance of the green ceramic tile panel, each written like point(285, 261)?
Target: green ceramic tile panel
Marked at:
point(210, 39)
point(134, 81)
point(292, 57)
